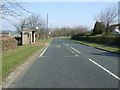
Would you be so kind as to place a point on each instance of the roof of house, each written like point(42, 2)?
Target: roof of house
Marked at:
point(117, 27)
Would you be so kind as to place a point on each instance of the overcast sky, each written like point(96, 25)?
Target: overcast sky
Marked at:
point(64, 13)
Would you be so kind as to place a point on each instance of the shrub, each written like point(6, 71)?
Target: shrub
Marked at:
point(9, 43)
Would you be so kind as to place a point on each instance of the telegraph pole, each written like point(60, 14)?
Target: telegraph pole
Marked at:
point(47, 22)
point(47, 25)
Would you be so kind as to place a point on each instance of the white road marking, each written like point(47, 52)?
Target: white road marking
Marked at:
point(44, 50)
point(75, 50)
point(71, 49)
point(67, 44)
point(105, 69)
point(76, 55)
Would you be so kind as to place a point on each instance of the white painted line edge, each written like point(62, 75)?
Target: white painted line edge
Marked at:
point(67, 44)
point(44, 50)
point(75, 50)
point(105, 69)
point(76, 55)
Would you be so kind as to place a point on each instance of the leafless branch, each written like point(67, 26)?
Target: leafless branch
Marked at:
point(12, 8)
point(108, 17)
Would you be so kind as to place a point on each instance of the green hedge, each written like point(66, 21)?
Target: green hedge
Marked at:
point(99, 39)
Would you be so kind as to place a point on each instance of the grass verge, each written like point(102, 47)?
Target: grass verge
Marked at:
point(16, 57)
point(111, 49)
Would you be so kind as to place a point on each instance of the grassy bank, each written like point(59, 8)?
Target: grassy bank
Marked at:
point(14, 58)
point(100, 46)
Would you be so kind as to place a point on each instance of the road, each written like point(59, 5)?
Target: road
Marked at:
point(65, 64)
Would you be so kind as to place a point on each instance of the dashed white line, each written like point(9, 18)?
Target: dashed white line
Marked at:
point(105, 69)
point(67, 44)
point(76, 55)
point(75, 49)
point(71, 49)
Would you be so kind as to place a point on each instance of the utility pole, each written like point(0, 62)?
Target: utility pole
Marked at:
point(47, 26)
point(47, 22)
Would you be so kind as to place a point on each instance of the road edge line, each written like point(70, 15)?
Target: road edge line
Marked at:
point(44, 50)
point(104, 69)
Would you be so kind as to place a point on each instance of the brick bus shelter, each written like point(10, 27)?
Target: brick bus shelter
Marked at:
point(28, 36)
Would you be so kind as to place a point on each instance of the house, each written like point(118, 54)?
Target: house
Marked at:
point(117, 30)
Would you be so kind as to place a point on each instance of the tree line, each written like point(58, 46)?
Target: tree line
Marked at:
point(16, 10)
point(67, 31)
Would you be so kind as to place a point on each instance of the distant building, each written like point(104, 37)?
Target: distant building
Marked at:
point(117, 30)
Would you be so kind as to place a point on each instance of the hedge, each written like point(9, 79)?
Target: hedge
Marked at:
point(99, 39)
point(9, 43)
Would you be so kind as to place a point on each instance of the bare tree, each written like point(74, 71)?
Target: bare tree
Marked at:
point(31, 22)
point(35, 21)
point(119, 12)
point(66, 31)
point(12, 8)
point(108, 17)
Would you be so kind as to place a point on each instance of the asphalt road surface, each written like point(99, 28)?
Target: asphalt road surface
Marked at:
point(65, 64)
